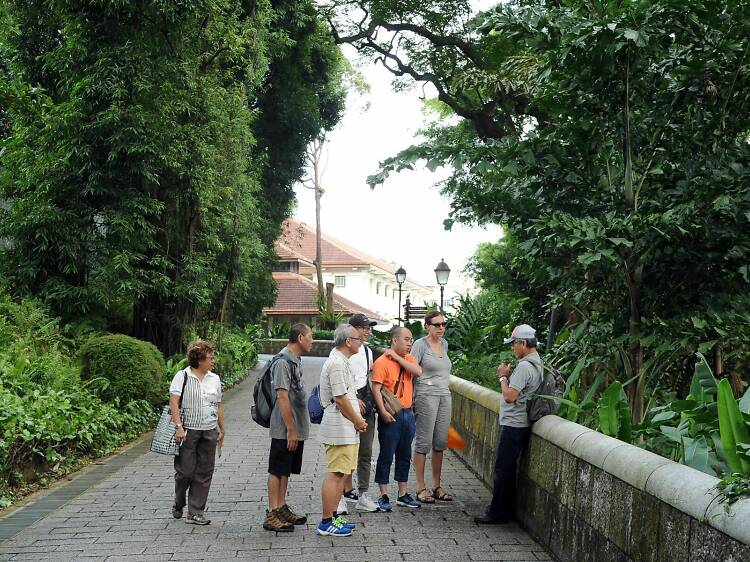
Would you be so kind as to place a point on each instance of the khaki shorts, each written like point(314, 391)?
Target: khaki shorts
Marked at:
point(342, 458)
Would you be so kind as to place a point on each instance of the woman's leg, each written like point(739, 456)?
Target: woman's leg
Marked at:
point(426, 414)
point(440, 438)
point(204, 471)
point(184, 467)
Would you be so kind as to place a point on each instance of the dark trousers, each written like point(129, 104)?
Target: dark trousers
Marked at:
point(395, 439)
point(364, 458)
point(194, 469)
point(512, 441)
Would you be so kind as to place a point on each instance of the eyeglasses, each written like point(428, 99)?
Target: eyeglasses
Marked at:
point(353, 338)
point(439, 324)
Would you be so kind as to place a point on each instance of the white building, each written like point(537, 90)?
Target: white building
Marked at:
point(367, 281)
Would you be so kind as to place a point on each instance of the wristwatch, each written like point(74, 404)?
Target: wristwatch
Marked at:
point(178, 425)
point(503, 377)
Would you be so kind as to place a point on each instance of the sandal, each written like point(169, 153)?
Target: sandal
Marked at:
point(424, 497)
point(443, 497)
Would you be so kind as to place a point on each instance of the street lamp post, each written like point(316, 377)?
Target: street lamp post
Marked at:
point(400, 278)
point(442, 272)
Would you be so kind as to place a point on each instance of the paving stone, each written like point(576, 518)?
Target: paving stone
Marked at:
point(126, 515)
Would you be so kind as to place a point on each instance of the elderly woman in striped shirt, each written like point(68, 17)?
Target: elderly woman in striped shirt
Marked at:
point(200, 426)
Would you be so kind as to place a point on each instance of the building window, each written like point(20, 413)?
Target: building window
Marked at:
point(339, 280)
point(377, 288)
point(386, 291)
point(286, 266)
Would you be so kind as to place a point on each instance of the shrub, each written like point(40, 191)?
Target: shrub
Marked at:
point(133, 369)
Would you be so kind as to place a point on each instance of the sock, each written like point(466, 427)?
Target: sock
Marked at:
point(326, 521)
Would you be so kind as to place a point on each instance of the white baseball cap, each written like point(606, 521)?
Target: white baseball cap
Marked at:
point(521, 332)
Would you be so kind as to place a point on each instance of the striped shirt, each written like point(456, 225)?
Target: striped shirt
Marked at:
point(336, 380)
point(200, 403)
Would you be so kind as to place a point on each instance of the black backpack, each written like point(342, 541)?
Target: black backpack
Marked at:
point(264, 396)
point(542, 401)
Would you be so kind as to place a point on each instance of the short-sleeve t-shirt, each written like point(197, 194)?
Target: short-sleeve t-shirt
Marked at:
point(436, 370)
point(525, 378)
point(200, 404)
point(336, 380)
point(283, 378)
point(386, 371)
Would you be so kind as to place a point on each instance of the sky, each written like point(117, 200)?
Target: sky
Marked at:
point(402, 220)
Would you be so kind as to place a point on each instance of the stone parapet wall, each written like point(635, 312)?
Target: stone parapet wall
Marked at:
point(321, 348)
point(588, 497)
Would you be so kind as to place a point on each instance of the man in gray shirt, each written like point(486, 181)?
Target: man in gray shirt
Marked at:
point(289, 427)
point(514, 421)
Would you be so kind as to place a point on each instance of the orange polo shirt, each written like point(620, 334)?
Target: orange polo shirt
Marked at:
point(386, 370)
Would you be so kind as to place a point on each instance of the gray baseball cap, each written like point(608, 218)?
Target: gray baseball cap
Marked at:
point(521, 332)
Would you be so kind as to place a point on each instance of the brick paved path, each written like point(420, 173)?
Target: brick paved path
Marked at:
point(127, 515)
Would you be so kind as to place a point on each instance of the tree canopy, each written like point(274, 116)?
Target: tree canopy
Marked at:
point(611, 141)
point(148, 153)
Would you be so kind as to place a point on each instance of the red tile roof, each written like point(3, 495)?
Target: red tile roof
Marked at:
point(296, 297)
point(300, 238)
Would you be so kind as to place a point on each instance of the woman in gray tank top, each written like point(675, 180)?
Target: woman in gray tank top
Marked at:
point(432, 406)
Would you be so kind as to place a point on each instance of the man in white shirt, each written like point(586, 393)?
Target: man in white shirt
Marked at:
point(361, 364)
point(340, 428)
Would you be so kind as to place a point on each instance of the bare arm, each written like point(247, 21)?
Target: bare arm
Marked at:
point(220, 414)
point(345, 407)
point(174, 408)
point(285, 408)
point(413, 368)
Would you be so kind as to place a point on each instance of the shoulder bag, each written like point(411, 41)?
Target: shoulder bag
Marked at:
point(391, 403)
point(164, 442)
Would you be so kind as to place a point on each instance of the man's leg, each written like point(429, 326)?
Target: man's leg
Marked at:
point(333, 487)
point(511, 443)
point(364, 459)
point(388, 434)
point(403, 449)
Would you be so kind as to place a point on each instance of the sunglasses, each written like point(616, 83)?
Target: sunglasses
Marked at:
point(439, 324)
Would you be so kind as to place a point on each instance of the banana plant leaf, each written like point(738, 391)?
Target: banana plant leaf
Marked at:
point(733, 429)
point(696, 454)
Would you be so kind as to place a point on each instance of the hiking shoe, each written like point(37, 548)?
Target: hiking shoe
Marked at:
point(285, 513)
point(274, 522)
point(334, 529)
point(407, 501)
point(197, 520)
point(343, 522)
point(366, 504)
point(342, 509)
point(176, 512)
point(351, 495)
point(384, 503)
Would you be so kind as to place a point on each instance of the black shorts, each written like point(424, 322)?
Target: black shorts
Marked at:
point(281, 461)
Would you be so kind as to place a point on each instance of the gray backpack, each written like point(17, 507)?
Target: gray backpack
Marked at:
point(542, 401)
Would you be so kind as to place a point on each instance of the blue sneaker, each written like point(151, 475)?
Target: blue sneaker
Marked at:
point(407, 501)
point(333, 529)
point(343, 522)
point(384, 503)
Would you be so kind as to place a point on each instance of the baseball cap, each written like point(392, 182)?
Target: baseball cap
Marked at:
point(521, 332)
point(361, 321)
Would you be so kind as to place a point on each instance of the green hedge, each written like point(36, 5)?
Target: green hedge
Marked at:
point(133, 369)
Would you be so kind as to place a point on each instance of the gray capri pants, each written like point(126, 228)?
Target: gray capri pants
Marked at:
point(433, 415)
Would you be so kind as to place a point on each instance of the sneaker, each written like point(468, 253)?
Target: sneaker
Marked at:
point(351, 495)
point(334, 529)
point(197, 520)
point(285, 513)
point(407, 501)
point(384, 504)
point(366, 504)
point(342, 509)
point(274, 522)
point(343, 522)
point(176, 512)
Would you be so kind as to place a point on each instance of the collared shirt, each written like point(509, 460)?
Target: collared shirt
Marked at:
point(200, 403)
point(525, 378)
point(361, 365)
point(336, 380)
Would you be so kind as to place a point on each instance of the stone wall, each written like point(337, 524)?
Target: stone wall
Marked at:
point(321, 348)
point(588, 497)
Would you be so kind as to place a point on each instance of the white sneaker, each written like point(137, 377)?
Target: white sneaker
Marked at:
point(342, 509)
point(366, 504)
